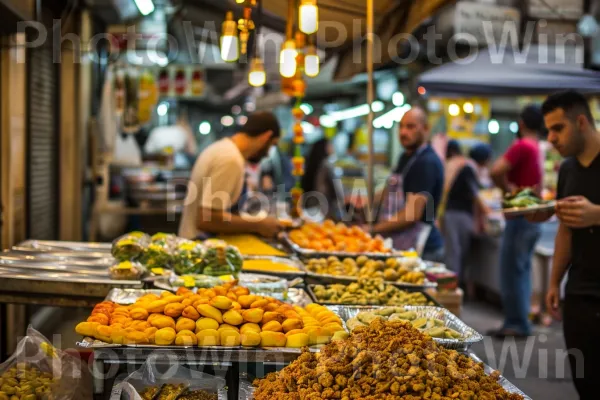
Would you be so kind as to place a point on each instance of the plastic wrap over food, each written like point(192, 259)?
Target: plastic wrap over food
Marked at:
point(188, 257)
point(129, 296)
point(130, 246)
point(127, 270)
point(175, 382)
point(444, 327)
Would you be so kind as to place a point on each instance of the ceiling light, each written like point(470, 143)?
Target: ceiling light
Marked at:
point(308, 16)
point(453, 110)
point(287, 59)
point(493, 127)
point(327, 121)
point(204, 128)
point(468, 107)
point(144, 6)
point(388, 119)
point(422, 91)
point(257, 76)
point(227, 120)
point(307, 127)
point(311, 62)
point(398, 99)
point(229, 39)
point(162, 109)
point(514, 127)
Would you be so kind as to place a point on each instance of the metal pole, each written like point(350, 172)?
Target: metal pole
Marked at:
point(370, 177)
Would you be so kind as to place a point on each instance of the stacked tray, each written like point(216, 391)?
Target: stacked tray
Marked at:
point(283, 260)
point(315, 299)
point(469, 335)
point(309, 253)
point(327, 278)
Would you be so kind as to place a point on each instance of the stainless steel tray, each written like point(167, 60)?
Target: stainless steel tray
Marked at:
point(284, 260)
point(57, 283)
point(308, 253)
point(470, 335)
point(327, 278)
point(505, 383)
point(311, 293)
point(55, 245)
point(62, 254)
point(10, 257)
point(18, 267)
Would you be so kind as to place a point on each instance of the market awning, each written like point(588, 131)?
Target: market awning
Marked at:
point(538, 70)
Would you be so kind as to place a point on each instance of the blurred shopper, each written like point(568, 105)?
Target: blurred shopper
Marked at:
point(462, 204)
point(573, 133)
point(519, 168)
point(414, 190)
point(318, 183)
point(217, 183)
point(178, 139)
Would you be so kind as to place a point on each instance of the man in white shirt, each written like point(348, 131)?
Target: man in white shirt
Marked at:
point(217, 181)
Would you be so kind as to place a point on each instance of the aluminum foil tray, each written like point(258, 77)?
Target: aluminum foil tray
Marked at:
point(311, 293)
point(470, 335)
point(129, 296)
point(505, 383)
point(91, 343)
point(9, 257)
point(308, 253)
point(327, 278)
point(288, 261)
point(55, 245)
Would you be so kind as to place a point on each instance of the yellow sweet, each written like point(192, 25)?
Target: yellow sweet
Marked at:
point(230, 337)
point(165, 336)
point(221, 302)
point(272, 326)
point(291, 324)
point(186, 338)
point(268, 266)
point(246, 300)
point(86, 328)
point(250, 327)
point(227, 326)
point(254, 315)
point(250, 338)
point(206, 323)
point(208, 337)
point(340, 335)
point(298, 340)
point(209, 311)
point(185, 324)
point(272, 339)
point(251, 245)
point(233, 317)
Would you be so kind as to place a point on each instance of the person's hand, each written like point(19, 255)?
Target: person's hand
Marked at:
point(268, 227)
point(577, 212)
point(553, 301)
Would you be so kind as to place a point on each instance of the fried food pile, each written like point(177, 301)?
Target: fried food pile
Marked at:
point(386, 360)
point(331, 237)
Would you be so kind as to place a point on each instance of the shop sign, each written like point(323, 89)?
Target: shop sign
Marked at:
point(460, 118)
point(556, 9)
point(476, 19)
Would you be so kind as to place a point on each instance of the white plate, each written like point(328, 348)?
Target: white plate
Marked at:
point(518, 211)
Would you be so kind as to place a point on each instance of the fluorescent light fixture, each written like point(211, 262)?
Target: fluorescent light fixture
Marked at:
point(388, 119)
point(514, 127)
point(144, 6)
point(493, 127)
point(398, 99)
point(227, 120)
point(358, 111)
point(307, 108)
point(162, 109)
point(327, 121)
point(204, 128)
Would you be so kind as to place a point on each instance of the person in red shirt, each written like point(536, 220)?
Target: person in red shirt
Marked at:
point(520, 167)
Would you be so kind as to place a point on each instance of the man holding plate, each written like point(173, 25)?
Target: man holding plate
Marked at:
point(573, 133)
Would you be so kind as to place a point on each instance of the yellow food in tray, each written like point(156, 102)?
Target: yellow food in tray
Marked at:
point(268, 266)
point(251, 245)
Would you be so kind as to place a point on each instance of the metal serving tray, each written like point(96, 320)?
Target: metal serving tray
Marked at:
point(59, 283)
point(129, 296)
point(311, 293)
point(292, 262)
point(327, 279)
point(470, 335)
point(308, 253)
point(55, 245)
point(10, 257)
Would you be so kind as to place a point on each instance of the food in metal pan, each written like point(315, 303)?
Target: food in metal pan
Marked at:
point(266, 265)
point(434, 327)
point(130, 246)
point(126, 270)
point(226, 315)
point(368, 292)
point(221, 259)
point(250, 245)
point(188, 257)
point(328, 237)
point(198, 395)
point(401, 270)
point(385, 360)
point(171, 391)
point(149, 392)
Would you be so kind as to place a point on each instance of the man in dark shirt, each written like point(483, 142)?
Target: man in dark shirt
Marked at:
point(422, 180)
point(572, 132)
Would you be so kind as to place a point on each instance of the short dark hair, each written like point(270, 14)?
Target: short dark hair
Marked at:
point(261, 122)
point(531, 116)
point(453, 149)
point(572, 102)
point(481, 153)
